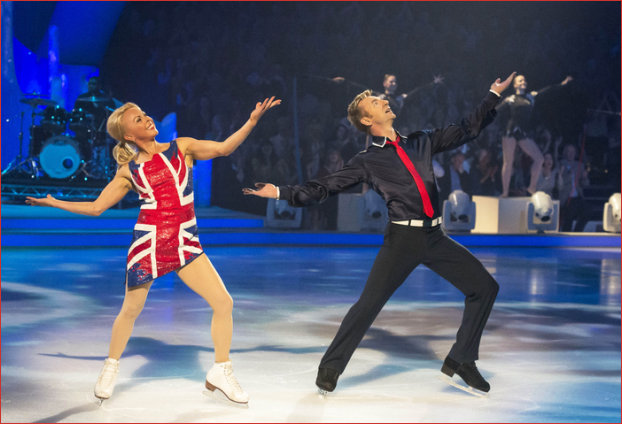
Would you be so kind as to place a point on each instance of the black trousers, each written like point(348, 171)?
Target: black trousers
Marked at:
point(574, 208)
point(404, 248)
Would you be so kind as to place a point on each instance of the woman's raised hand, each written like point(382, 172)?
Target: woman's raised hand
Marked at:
point(263, 107)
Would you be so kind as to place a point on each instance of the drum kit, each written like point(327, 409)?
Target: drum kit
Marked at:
point(65, 145)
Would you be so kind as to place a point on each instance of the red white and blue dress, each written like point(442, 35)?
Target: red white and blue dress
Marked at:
point(166, 234)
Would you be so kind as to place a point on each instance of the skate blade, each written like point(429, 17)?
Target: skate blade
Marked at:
point(323, 394)
point(468, 389)
point(219, 396)
point(94, 399)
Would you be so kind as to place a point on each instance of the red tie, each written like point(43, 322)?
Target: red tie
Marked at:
point(427, 205)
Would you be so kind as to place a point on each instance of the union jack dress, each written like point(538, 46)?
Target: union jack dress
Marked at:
point(166, 234)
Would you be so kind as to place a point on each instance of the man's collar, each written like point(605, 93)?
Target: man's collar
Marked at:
point(381, 141)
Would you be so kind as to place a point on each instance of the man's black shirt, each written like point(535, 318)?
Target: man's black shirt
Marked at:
point(381, 168)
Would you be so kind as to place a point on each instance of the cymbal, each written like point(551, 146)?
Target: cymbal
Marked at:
point(35, 101)
point(94, 99)
point(34, 94)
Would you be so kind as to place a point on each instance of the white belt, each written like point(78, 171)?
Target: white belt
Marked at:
point(419, 222)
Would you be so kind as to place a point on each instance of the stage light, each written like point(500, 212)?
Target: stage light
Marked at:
point(280, 215)
point(375, 207)
point(458, 212)
point(375, 212)
point(361, 212)
point(611, 214)
point(542, 213)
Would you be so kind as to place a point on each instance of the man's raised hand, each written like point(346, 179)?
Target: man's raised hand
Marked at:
point(499, 87)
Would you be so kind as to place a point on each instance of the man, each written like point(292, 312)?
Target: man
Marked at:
point(456, 177)
point(96, 102)
point(400, 169)
point(571, 181)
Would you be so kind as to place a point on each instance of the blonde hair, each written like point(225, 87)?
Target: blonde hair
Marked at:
point(125, 150)
point(355, 114)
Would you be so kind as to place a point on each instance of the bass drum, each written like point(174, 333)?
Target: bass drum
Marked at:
point(60, 156)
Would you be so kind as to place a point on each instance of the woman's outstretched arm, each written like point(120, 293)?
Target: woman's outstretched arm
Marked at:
point(208, 149)
point(110, 196)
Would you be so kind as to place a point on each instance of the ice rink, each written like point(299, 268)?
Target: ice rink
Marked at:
point(551, 350)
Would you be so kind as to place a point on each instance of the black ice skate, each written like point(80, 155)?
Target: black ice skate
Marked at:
point(326, 380)
point(472, 381)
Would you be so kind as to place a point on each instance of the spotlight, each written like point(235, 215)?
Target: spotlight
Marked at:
point(375, 213)
point(375, 207)
point(611, 214)
point(542, 213)
point(280, 215)
point(459, 212)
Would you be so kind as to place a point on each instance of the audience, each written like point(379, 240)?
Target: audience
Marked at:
point(209, 74)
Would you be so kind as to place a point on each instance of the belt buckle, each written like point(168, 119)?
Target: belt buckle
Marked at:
point(432, 222)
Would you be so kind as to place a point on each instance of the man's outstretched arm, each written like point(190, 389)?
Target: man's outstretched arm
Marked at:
point(454, 135)
point(313, 191)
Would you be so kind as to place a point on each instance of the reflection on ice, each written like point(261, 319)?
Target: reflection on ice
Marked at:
point(551, 351)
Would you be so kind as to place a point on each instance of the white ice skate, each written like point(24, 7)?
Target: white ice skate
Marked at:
point(107, 379)
point(221, 377)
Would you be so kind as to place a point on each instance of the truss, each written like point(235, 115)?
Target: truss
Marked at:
point(19, 191)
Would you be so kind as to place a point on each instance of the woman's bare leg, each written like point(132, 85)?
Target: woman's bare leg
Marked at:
point(124, 323)
point(508, 145)
point(201, 276)
point(533, 151)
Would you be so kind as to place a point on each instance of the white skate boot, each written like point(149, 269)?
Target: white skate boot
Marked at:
point(221, 377)
point(107, 379)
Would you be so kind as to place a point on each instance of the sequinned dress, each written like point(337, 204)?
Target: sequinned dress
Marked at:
point(166, 234)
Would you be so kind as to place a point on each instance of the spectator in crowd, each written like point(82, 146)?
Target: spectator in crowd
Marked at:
point(262, 163)
point(548, 176)
point(346, 141)
point(312, 156)
point(324, 216)
point(455, 178)
point(485, 175)
point(571, 181)
point(282, 140)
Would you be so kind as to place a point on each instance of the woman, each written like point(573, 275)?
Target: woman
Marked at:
point(485, 175)
point(166, 234)
point(548, 177)
point(519, 129)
